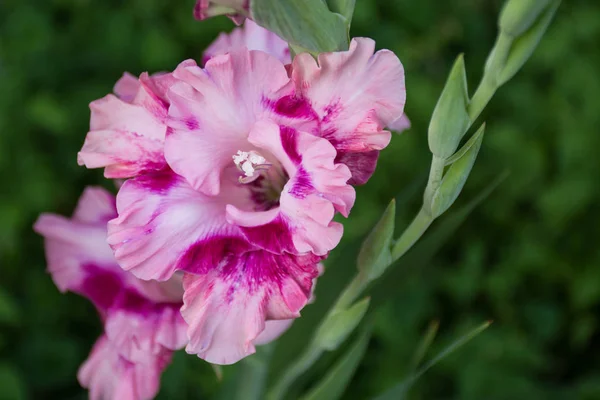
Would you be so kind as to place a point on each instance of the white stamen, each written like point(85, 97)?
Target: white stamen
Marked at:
point(249, 162)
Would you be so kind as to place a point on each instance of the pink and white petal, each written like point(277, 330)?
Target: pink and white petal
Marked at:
point(109, 376)
point(164, 225)
point(400, 124)
point(69, 246)
point(127, 87)
point(136, 327)
point(346, 86)
point(123, 154)
point(95, 206)
point(273, 330)
point(226, 309)
point(355, 94)
point(212, 113)
point(125, 138)
point(253, 37)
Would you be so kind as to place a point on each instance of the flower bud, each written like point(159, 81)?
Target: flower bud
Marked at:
point(454, 179)
point(375, 253)
point(519, 15)
point(340, 324)
point(450, 118)
point(237, 10)
point(524, 45)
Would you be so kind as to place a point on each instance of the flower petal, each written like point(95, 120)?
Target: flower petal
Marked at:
point(213, 110)
point(226, 308)
point(164, 225)
point(355, 94)
point(253, 37)
point(108, 375)
point(127, 134)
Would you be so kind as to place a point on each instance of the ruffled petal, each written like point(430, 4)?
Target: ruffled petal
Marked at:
point(226, 308)
point(109, 376)
point(252, 37)
point(164, 225)
point(213, 110)
point(127, 134)
point(355, 94)
point(399, 125)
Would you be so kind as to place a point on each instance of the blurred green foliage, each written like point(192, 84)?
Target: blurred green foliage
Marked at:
point(527, 258)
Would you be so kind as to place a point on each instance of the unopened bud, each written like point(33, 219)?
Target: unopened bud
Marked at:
point(519, 15)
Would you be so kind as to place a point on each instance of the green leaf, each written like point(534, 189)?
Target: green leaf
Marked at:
point(524, 45)
point(307, 24)
point(454, 179)
point(340, 324)
point(450, 118)
point(343, 7)
point(332, 386)
point(424, 345)
point(399, 391)
point(519, 15)
point(375, 253)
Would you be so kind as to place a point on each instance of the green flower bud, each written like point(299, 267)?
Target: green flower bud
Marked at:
point(454, 179)
point(450, 118)
point(340, 324)
point(519, 15)
point(375, 253)
point(524, 45)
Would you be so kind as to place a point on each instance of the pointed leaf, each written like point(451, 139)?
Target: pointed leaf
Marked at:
point(450, 118)
point(399, 391)
point(340, 324)
point(454, 179)
point(375, 253)
point(343, 7)
point(332, 386)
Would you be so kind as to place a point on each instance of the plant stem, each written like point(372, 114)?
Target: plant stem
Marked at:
point(414, 231)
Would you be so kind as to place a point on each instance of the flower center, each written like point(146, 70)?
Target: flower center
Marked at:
point(250, 163)
point(264, 180)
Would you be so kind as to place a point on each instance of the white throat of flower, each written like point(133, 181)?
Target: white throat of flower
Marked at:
point(250, 163)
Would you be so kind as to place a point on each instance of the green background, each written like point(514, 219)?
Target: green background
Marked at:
point(528, 257)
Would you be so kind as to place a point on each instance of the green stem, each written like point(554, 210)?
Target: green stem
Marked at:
point(253, 374)
point(414, 231)
point(493, 68)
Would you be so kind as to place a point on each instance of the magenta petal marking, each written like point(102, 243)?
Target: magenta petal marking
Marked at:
point(204, 255)
point(276, 235)
point(289, 143)
point(302, 184)
point(361, 165)
point(294, 107)
point(159, 181)
point(101, 286)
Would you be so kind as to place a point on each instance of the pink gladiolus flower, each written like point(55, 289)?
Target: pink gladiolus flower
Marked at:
point(142, 321)
point(237, 10)
point(259, 157)
point(252, 37)
point(401, 124)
